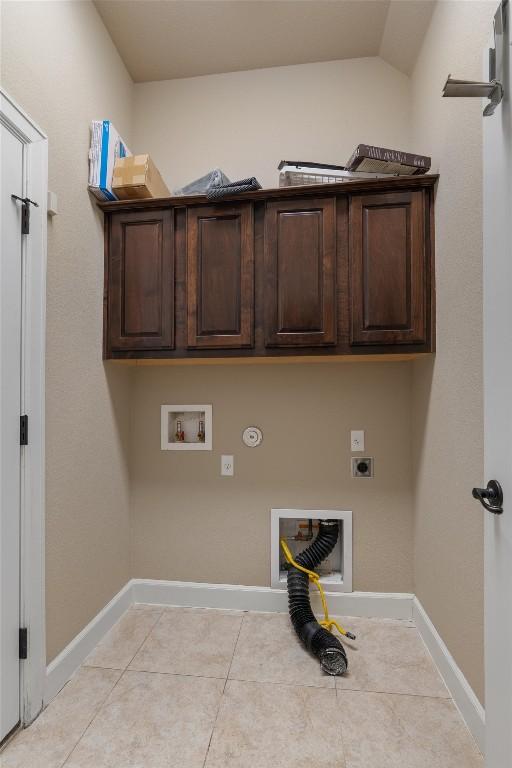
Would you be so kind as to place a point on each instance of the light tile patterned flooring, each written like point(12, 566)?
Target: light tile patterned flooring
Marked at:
point(197, 688)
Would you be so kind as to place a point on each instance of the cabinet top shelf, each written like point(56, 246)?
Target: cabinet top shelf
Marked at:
point(393, 183)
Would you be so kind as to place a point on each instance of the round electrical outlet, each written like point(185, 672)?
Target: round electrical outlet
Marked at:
point(252, 436)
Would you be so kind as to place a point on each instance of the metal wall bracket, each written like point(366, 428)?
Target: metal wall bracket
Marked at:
point(26, 202)
point(493, 89)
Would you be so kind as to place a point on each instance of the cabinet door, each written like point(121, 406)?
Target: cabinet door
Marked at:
point(220, 276)
point(300, 273)
point(141, 281)
point(387, 269)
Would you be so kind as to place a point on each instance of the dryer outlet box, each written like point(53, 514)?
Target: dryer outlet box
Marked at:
point(362, 467)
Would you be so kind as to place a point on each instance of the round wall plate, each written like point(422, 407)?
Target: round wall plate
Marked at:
point(252, 436)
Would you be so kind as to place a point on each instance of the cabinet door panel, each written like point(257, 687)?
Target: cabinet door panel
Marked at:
point(300, 271)
point(220, 276)
point(387, 269)
point(141, 281)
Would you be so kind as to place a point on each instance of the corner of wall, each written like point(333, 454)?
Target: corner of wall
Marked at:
point(70, 73)
point(448, 390)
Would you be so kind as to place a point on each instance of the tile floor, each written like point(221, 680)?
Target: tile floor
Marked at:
point(196, 688)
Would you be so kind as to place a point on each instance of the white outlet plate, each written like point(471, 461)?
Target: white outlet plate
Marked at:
point(227, 466)
point(357, 440)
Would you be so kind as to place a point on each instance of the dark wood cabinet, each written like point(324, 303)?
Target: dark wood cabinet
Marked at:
point(220, 276)
point(140, 281)
point(300, 273)
point(326, 271)
point(388, 286)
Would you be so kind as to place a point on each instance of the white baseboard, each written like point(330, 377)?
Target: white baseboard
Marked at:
point(227, 596)
point(63, 666)
point(461, 691)
point(238, 597)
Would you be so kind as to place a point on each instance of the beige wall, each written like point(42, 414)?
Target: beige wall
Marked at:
point(69, 74)
point(59, 63)
point(447, 390)
point(190, 523)
point(246, 122)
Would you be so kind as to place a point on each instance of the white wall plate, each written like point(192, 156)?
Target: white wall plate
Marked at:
point(356, 440)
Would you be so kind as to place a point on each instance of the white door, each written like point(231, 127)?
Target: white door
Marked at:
point(11, 151)
point(498, 419)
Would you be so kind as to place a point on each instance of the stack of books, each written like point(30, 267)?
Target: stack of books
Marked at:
point(106, 147)
point(366, 162)
point(387, 161)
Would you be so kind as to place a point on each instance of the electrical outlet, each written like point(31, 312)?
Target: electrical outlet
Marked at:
point(357, 440)
point(362, 467)
point(227, 466)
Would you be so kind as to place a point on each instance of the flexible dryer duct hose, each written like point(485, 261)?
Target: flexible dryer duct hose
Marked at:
point(318, 640)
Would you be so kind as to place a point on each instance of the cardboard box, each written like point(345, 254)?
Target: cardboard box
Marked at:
point(137, 177)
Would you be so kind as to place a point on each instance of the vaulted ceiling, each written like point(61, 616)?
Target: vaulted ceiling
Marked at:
point(167, 39)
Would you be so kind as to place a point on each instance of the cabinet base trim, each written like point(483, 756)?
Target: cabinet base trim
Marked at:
point(389, 358)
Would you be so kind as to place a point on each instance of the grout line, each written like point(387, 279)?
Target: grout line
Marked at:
point(153, 626)
point(284, 682)
point(85, 665)
point(340, 716)
point(114, 669)
point(173, 674)
point(338, 691)
point(94, 716)
point(397, 693)
point(278, 682)
point(234, 651)
point(223, 691)
point(237, 680)
point(214, 723)
point(97, 666)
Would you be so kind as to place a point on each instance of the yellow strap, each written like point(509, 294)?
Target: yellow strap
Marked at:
point(328, 623)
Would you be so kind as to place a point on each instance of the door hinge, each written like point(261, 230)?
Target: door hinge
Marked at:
point(23, 642)
point(26, 202)
point(24, 430)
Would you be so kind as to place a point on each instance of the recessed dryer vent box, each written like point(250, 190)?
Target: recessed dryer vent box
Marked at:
point(299, 527)
point(186, 427)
